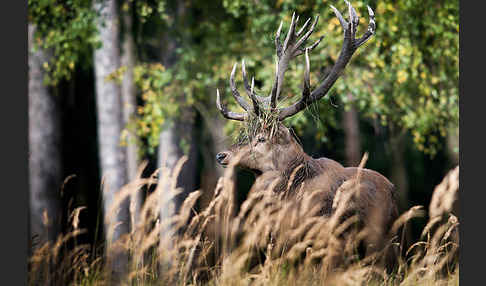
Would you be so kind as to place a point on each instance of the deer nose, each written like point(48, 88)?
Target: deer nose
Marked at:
point(220, 156)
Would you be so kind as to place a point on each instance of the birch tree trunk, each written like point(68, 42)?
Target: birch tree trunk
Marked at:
point(110, 124)
point(182, 130)
point(170, 151)
point(45, 169)
point(129, 105)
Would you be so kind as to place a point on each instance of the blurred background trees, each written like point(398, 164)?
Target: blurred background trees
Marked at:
point(154, 99)
point(44, 149)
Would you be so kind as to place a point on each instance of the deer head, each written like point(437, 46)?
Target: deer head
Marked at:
point(269, 145)
point(265, 150)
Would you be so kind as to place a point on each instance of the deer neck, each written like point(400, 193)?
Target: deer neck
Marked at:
point(296, 171)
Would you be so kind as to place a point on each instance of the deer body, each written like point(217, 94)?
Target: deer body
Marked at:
point(278, 160)
point(281, 166)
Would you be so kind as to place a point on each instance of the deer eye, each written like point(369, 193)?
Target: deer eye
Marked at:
point(261, 139)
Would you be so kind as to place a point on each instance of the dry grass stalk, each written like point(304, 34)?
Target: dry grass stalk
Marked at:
point(269, 241)
point(445, 194)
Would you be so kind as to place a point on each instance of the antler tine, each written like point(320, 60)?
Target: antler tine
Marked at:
point(227, 114)
point(316, 43)
point(289, 50)
point(306, 36)
point(249, 90)
point(245, 79)
point(218, 102)
point(241, 101)
point(353, 18)
point(290, 33)
point(306, 91)
point(273, 96)
point(371, 28)
point(343, 22)
point(355, 15)
point(303, 27)
point(278, 45)
point(350, 45)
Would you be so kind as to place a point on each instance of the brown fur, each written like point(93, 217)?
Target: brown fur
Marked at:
point(280, 162)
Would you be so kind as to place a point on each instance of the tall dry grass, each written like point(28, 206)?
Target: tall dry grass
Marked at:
point(268, 241)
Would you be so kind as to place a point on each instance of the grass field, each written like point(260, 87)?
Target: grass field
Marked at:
point(265, 241)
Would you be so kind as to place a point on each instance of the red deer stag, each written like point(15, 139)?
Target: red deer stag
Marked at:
point(271, 151)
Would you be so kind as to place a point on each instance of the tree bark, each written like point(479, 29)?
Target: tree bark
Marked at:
point(110, 123)
point(399, 175)
point(45, 170)
point(182, 128)
point(170, 151)
point(129, 106)
point(352, 136)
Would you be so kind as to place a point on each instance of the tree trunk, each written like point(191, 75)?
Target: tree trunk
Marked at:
point(181, 131)
point(399, 176)
point(352, 136)
point(44, 151)
point(129, 105)
point(110, 123)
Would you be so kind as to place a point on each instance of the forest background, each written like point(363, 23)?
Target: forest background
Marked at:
point(115, 83)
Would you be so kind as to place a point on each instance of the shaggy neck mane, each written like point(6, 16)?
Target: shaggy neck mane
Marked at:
point(301, 168)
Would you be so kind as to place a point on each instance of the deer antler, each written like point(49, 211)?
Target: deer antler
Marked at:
point(290, 49)
point(350, 45)
point(228, 114)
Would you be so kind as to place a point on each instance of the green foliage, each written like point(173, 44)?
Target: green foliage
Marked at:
point(147, 9)
point(409, 73)
point(405, 77)
point(152, 81)
point(158, 89)
point(67, 29)
point(219, 37)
